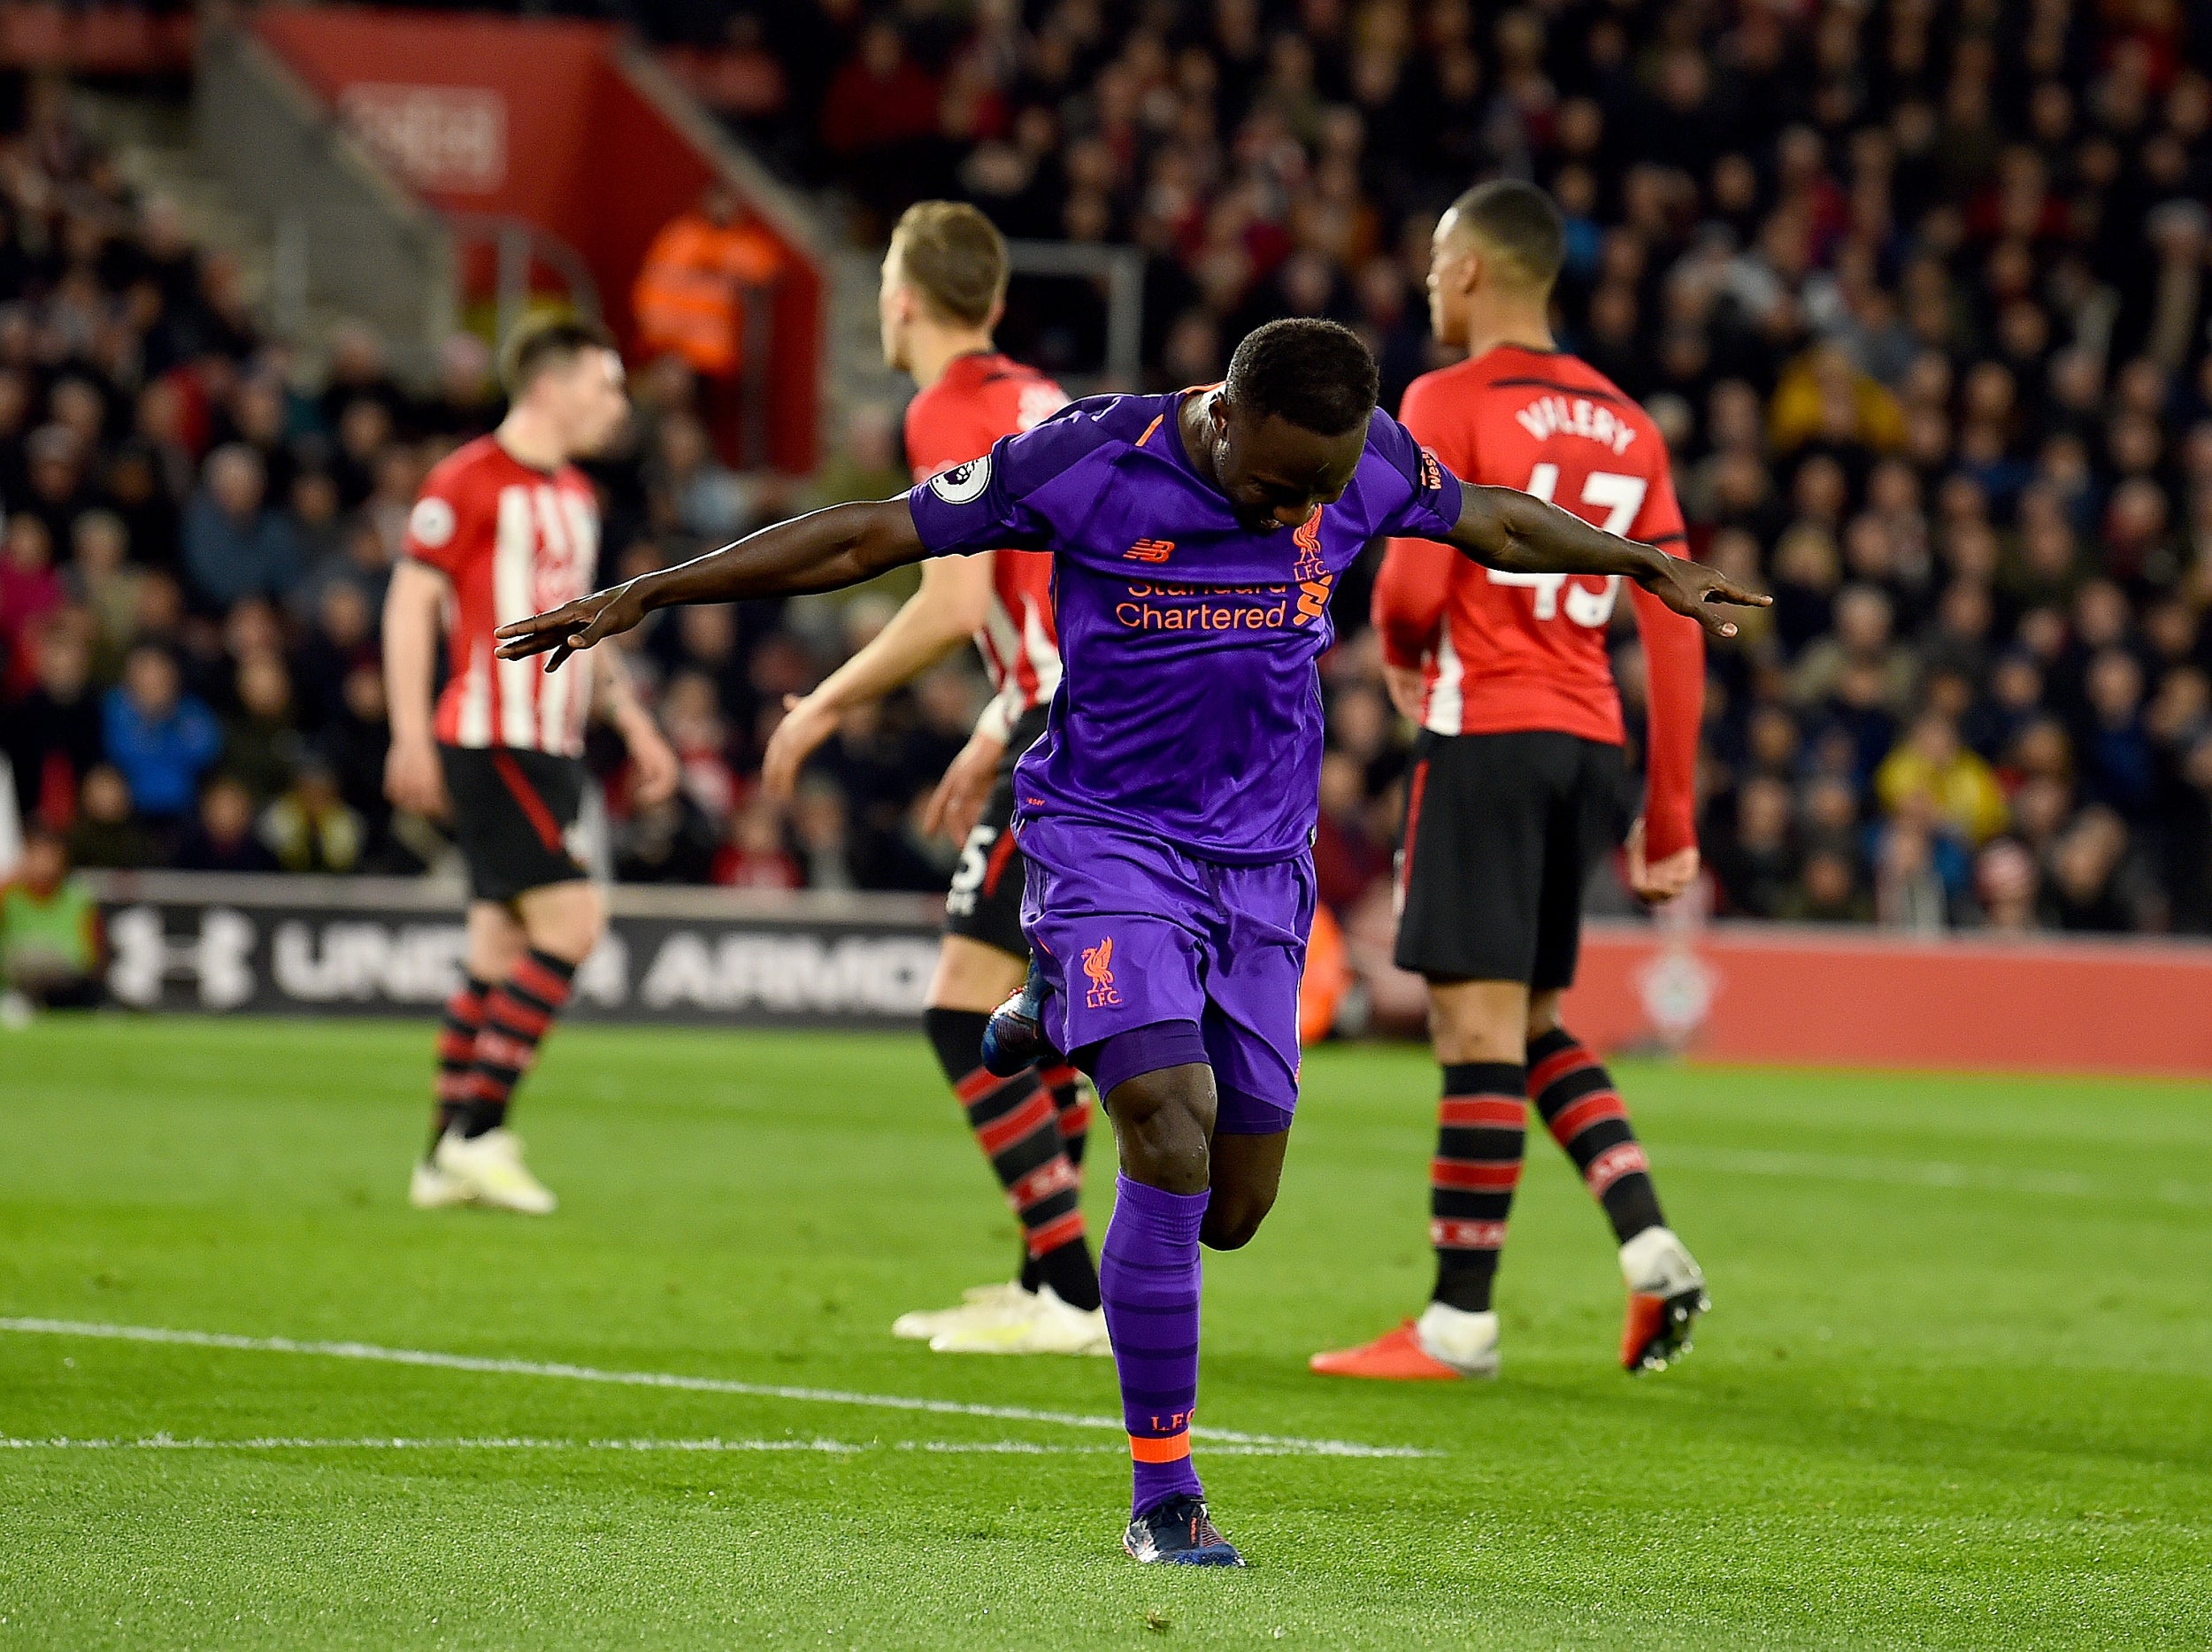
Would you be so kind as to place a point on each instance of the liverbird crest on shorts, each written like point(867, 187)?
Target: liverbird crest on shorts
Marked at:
point(1098, 963)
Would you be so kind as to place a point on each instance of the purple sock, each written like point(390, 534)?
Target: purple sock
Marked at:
point(1147, 1272)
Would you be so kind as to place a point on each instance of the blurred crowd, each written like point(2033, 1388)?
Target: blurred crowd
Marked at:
point(1918, 290)
point(196, 540)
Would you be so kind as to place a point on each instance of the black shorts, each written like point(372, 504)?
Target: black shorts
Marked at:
point(1501, 833)
point(985, 902)
point(512, 813)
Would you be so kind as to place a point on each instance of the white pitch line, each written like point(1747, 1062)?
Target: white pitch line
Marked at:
point(381, 1442)
point(1287, 1443)
point(523, 1443)
point(1929, 1174)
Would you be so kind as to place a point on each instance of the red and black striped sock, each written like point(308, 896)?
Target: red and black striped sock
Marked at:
point(1481, 1125)
point(517, 1016)
point(1019, 1129)
point(1579, 1106)
point(1073, 1106)
point(457, 1054)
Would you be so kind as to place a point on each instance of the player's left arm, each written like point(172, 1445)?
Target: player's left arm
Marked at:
point(1516, 532)
point(1663, 855)
point(651, 757)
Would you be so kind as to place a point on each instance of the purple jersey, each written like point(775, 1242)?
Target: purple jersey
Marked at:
point(1190, 708)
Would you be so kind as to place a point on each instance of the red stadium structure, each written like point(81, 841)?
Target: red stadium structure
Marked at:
point(566, 127)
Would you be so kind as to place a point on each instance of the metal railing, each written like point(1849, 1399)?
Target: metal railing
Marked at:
point(518, 246)
point(1119, 272)
point(345, 233)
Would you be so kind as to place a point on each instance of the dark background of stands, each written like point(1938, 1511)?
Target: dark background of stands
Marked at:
point(1917, 291)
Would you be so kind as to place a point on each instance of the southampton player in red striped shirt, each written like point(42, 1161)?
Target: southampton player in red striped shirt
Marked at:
point(504, 524)
point(944, 284)
point(1518, 786)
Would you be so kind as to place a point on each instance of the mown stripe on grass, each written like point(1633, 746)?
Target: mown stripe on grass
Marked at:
point(1287, 1443)
point(1901, 1172)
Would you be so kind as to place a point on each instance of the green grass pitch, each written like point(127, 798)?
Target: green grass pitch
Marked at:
point(1957, 1389)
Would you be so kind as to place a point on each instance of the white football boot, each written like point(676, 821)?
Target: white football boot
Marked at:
point(430, 1189)
point(1050, 1326)
point(1666, 1294)
point(979, 1304)
point(490, 1167)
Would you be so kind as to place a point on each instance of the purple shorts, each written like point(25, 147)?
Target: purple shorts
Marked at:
point(1129, 933)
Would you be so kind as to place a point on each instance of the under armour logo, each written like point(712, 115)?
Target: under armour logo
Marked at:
point(219, 958)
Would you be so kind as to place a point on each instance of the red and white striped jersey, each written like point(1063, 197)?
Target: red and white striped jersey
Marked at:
point(980, 398)
point(1505, 652)
point(514, 541)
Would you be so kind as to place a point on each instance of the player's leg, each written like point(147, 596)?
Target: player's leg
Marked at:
point(1247, 1174)
point(982, 961)
point(1054, 1305)
point(1070, 1094)
point(1473, 857)
point(1148, 1266)
point(560, 924)
point(495, 940)
point(1202, 1143)
point(1117, 928)
point(1575, 1096)
point(512, 809)
point(1251, 1028)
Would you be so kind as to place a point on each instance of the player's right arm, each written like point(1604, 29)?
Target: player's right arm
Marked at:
point(1516, 533)
point(980, 505)
point(951, 607)
point(412, 778)
point(824, 551)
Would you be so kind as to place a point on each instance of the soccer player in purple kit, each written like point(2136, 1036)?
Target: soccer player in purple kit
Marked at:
point(1167, 815)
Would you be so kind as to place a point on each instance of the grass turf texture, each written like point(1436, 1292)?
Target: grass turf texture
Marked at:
point(1954, 1392)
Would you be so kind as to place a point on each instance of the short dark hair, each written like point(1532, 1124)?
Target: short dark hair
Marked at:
point(1520, 221)
point(955, 257)
point(1316, 375)
point(546, 339)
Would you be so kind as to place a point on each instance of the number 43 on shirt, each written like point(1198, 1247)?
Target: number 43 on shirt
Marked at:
point(1619, 497)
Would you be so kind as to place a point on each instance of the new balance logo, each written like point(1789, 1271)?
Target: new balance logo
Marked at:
point(1148, 550)
point(1098, 963)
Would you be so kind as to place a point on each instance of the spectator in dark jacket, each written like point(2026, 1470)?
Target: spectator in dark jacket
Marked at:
point(54, 734)
point(222, 839)
point(234, 545)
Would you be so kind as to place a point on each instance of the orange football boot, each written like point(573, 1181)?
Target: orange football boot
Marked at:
point(1394, 1357)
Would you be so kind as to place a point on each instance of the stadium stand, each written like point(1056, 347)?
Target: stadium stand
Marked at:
point(1918, 292)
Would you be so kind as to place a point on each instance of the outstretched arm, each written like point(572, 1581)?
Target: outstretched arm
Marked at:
point(1516, 533)
point(824, 551)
